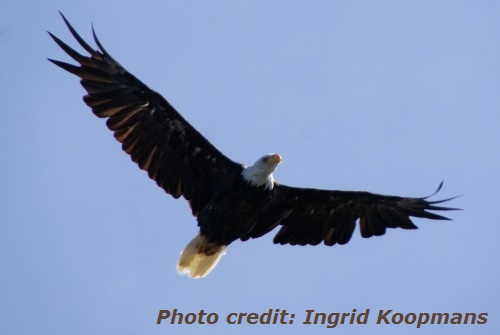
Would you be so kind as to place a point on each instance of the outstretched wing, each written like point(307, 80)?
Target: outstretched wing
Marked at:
point(151, 131)
point(311, 216)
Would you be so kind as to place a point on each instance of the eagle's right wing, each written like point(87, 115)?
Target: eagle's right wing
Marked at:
point(151, 131)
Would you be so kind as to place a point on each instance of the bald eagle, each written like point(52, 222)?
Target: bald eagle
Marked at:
point(231, 201)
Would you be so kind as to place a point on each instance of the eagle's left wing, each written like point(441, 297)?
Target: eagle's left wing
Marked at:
point(312, 216)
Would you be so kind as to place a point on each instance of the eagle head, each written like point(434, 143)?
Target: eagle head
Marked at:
point(261, 172)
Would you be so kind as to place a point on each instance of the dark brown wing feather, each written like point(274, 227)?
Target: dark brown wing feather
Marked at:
point(151, 131)
point(311, 216)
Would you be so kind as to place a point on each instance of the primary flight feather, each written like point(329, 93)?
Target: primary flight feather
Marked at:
point(230, 200)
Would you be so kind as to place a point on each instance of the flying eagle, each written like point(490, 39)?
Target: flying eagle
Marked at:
point(231, 201)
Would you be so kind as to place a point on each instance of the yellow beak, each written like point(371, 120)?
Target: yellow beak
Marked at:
point(277, 158)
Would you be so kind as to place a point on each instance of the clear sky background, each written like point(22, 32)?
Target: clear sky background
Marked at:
point(385, 96)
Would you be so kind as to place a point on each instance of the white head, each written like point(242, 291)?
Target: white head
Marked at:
point(261, 173)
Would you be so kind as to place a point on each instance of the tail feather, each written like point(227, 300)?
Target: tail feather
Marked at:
point(199, 257)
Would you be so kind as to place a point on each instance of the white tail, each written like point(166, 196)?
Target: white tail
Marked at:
point(199, 257)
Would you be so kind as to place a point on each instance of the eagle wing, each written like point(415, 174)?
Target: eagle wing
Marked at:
point(151, 131)
point(312, 216)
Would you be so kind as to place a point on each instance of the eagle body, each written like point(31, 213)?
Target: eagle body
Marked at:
point(230, 200)
point(234, 212)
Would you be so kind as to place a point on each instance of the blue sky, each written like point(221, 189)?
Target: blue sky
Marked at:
point(385, 96)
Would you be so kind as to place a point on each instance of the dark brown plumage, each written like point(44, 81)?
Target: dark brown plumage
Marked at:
point(231, 201)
